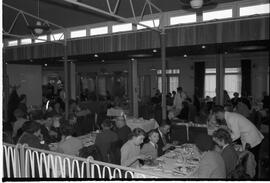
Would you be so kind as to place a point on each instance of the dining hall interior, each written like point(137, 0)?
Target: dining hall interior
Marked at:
point(145, 89)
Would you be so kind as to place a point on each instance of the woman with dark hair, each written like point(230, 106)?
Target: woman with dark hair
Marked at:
point(130, 151)
point(211, 164)
point(223, 139)
point(69, 145)
point(32, 136)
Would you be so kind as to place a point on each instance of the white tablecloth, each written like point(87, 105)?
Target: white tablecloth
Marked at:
point(173, 159)
point(146, 125)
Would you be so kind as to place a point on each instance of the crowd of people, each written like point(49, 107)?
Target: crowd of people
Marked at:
point(117, 143)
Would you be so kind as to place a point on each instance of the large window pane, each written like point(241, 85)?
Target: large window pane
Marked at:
point(98, 31)
point(78, 33)
point(13, 43)
point(220, 14)
point(41, 39)
point(149, 23)
point(233, 83)
point(57, 36)
point(26, 41)
point(160, 83)
point(174, 83)
point(210, 85)
point(253, 10)
point(122, 27)
point(183, 19)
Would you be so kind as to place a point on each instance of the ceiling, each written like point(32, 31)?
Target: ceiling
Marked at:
point(68, 15)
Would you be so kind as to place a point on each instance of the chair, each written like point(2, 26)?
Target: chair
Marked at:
point(179, 133)
point(114, 153)
point(240, 170)
point(193, 132)
point(93, 151)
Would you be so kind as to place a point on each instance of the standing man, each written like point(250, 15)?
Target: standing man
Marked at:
point(177, 103)
point(251, 138)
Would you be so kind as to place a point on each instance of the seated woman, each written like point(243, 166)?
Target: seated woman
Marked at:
point(32, 136)
point(69, 145)
point(130, 151)
point(212, 164)
point(223, 139)
point(150, 148)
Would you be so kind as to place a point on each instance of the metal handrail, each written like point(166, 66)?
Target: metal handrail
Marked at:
point(47, 158)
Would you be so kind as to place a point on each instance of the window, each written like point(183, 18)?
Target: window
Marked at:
point(26, 41)
point(183, 19)
point(172, 79)
point(78, 33)
point(232, 81)
point(220, 14)
point(121, 27)
point(13, 43)
point(57, 36)
point(150, 23)
point(253, 10)
point(41, 39)
point(98, 31)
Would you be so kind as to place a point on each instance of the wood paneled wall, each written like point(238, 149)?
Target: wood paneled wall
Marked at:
point(220, 32)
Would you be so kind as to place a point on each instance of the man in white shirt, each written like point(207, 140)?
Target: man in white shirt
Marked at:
point(177, 103)
point(242, 128)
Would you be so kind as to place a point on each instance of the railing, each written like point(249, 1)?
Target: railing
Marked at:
point(21, 161)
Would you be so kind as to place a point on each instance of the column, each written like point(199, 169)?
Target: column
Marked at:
point(220, 79)
point(135, 88)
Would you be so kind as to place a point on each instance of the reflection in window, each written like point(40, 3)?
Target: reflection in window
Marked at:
point(220, 14)
point(183, 19)
point(121, 27)
point(78, 33)
point(57, 36)
point(149, 23)
point(13, 43)
point(253, 10)
point(26, 41)
point(98, 31)
point(41, 39)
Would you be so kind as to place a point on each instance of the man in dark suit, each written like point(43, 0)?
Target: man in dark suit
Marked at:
point(163, 131)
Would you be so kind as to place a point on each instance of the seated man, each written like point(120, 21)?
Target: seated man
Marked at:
point(32, 136)
point(20, 120)
point(162, 143)
point(69, 145)
point(105, 139)
point(122, 130)
point(151, 148)
point(50, 134)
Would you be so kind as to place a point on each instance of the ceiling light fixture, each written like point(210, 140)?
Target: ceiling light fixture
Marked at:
point(132, 59)
point(96, 55)
point(39, 27)
point(154, 50)
point(102, 61)
point(203, 46)
point(45, 65)
point(196, 4)
point(185, 55)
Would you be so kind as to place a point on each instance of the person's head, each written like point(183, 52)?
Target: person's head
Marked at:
point(106, 124)
point(18, 113)
point(153, 136)
point(204, 142)
point(219, 112)
point(32, 127)
point(236, 95)
point(137, 136)
point(222, 137)
point(66, 130)
point(120, 122)
point(179, 89)
point(164, 128)
point(173, 93)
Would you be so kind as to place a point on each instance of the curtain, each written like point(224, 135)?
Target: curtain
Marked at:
point(199, 73)
point(246, 76)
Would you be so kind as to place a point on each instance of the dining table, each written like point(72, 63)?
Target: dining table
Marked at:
point(182, 162)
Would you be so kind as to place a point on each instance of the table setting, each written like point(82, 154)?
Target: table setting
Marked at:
point(182, 162)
